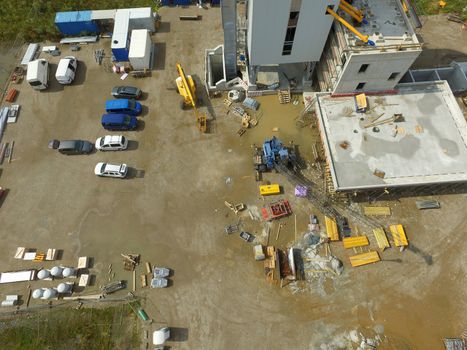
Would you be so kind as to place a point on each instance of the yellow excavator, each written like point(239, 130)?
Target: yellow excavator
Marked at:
point(187, 89)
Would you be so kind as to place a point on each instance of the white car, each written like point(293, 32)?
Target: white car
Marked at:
point(112, 143)
point(111, 170)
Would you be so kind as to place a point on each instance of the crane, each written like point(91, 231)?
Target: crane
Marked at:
point(352, 11)
point(364, 38)
point(187, 89)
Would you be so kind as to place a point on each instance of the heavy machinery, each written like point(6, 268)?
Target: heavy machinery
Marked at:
point(273, 151)
point(187, 89)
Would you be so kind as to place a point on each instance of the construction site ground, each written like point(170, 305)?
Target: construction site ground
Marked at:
point(171, 211)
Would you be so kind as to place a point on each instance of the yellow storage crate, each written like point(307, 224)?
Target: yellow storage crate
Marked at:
point(364, 259)
point(382, 211)
point(358, 241)
point(398, 235)
point(331, 228)
point(267, 190)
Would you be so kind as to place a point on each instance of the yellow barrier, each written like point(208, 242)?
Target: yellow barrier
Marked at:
point(352, 242)
point(364, 259)
point(398, 235)
point(267, 190)
point(331, 228)
point(381, 238)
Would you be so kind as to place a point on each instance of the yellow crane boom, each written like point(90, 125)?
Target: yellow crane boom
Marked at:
point(364, 38)
point(352, 11)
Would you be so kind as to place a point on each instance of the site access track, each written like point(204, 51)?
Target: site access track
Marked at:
point(322, 202)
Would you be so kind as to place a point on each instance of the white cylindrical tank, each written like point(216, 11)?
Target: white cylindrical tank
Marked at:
point(68, 272)
point(49, 293)
point(43, 274)
point(64, 288)
point(56, 271)
point(38, 293)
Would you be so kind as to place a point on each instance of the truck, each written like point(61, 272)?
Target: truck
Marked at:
point(38, 74)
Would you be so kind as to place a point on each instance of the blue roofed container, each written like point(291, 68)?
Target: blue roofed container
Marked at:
point(120, 38)
point(75, 22)
point(175, 2)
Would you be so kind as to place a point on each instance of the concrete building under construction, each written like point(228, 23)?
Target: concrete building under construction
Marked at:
point(413, 134)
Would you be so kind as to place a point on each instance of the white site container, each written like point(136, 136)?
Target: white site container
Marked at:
point(38, 74)
point(140, 49)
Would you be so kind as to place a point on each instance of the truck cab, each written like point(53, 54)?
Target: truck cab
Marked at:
point(38, 74)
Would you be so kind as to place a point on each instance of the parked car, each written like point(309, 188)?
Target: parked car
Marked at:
point(72, 147)
point(111, 143)
point(126, 92)
point(111, 170)
point(119, 122)
point(124, 106)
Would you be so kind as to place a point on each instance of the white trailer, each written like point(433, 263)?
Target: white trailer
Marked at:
point(140, 49)
point(38, 74)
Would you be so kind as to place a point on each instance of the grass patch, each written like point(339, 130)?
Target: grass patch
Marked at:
point(64, 328)
point(33, 20)
point(430, 7)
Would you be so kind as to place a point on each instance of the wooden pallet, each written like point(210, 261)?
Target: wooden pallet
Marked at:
point(284, 96)
point(331, 228)
point(39, 257)
point(11, 95)
point(358, 241)
point(398, 235)
point(381, 238)
point(364, 259)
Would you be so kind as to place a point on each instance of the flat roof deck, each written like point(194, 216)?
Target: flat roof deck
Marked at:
point(430, 146)
point(386, 18)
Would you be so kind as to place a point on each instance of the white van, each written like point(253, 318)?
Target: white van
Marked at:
point(66, 70)
point(38, 74)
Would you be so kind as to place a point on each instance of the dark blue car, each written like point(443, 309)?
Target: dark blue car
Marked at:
point(123, 106)
point(116, 121)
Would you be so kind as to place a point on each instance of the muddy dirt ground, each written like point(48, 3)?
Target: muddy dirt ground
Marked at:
point(443, 42)
point(171, 211)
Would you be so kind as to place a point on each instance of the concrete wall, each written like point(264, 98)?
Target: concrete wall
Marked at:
point(267, 26)
point(380, 67)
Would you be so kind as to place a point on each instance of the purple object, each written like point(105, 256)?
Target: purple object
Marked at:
point(301, 191)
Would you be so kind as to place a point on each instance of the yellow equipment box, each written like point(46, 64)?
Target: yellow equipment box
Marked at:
point(358, 241)
point(364, 259)
point(267, 190)
point(398, 235)
point(361, 103)
point(331, 228)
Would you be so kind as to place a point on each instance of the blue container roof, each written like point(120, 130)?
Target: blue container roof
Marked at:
point(73, 16)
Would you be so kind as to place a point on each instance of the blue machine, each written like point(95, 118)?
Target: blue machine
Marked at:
point(273, 149)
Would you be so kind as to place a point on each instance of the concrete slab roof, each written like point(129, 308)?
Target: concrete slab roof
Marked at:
point(387, 23)
point(429, 147)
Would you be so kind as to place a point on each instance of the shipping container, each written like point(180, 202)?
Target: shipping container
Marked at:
point(142, 18)
point(120, 40)
point(140, 49)
point(75, 22)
